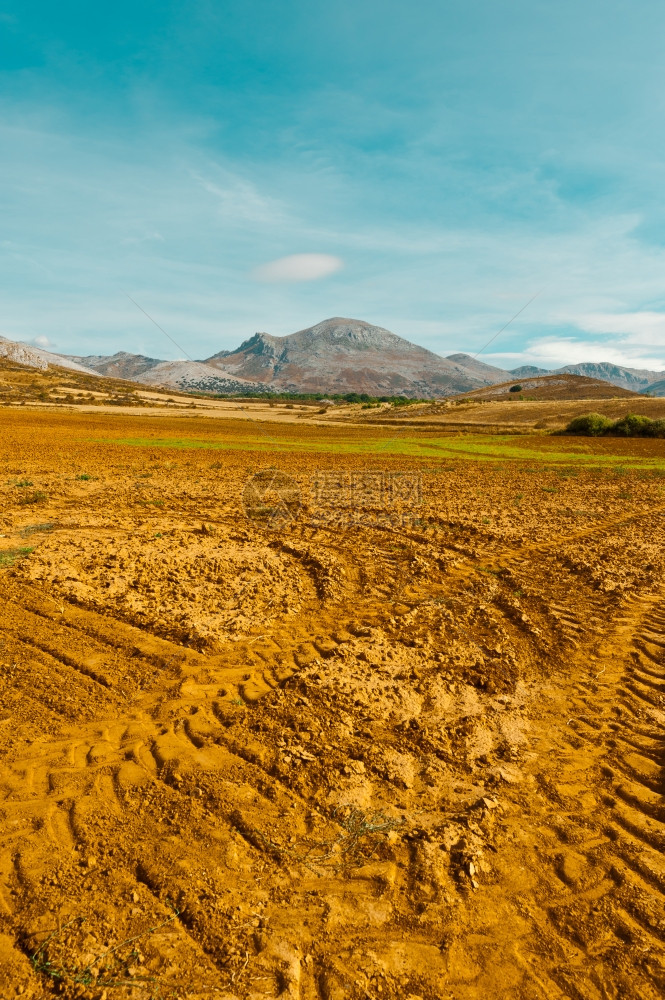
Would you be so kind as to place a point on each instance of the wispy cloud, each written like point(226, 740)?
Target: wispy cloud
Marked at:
point(636, 328)
point(146, 238)
point(240, 200)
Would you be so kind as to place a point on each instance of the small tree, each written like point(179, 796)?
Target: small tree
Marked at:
point(590, 424)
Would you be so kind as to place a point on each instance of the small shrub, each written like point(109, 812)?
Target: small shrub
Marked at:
point(632, 425)
point(657, 429)
point(590, 424)
point(515, 388)
point(36, 497)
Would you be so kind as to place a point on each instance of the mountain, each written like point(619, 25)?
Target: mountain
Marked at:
point(478, 369)
point(655, 388)
point(637, 379)
point(120, 365)
point(36, 357)
point(527, 370)
point(196, 376)
point(345, 355)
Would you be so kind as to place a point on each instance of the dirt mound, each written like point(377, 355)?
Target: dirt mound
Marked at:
point(196, 586)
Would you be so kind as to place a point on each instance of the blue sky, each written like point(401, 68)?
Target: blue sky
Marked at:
point(430, 166)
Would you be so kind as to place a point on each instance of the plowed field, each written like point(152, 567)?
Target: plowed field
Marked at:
point(327, 714)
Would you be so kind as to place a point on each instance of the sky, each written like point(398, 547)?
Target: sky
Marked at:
point(244, 165)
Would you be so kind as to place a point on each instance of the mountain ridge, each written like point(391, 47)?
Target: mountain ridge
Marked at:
point(337, 355)
point(37, 357)
point(627, 378)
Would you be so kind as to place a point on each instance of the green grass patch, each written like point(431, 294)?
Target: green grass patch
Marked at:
point(9, 556)
point(476, 447)
point(31, 529)
point(37, 496)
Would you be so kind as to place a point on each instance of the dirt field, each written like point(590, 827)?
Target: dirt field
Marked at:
point(329, 712)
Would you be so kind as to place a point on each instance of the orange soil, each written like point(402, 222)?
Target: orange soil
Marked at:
point(331, 755)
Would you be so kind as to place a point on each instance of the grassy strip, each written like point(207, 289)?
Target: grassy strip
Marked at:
point(480, 448)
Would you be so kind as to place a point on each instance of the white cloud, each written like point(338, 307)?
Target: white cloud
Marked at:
point(555, 352)
point(638, 327)
point(633, 339)
point(42, 342)
point(299, 267)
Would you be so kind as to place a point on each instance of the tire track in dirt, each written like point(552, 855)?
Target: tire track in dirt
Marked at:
point(50, 799)
point(581, 886)
point(177, 729)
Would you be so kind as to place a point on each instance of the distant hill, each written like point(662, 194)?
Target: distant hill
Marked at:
point(196, 376)
point(120, 365)
point(637, 379)
point(562, 385)
point(49, 384)
point(655, 388)
point(36, 357)
point(478, 369)
point(345, 355)
point(187, 376)
point(528, 370)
